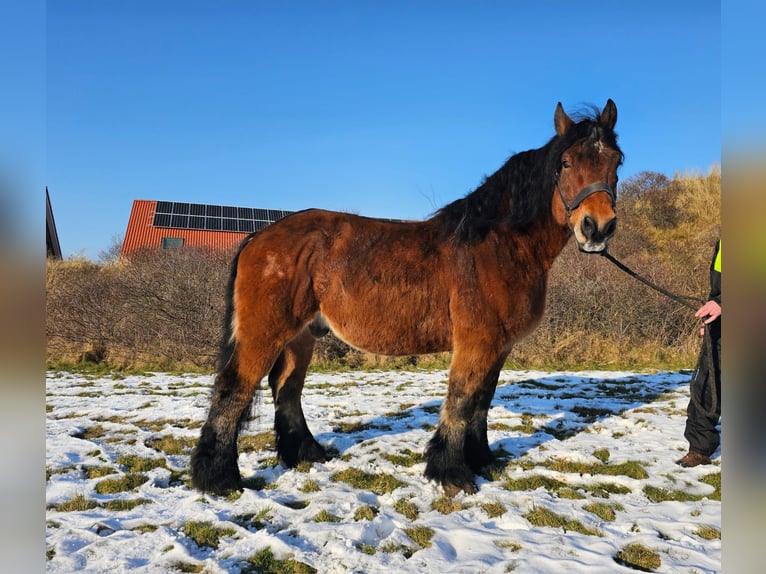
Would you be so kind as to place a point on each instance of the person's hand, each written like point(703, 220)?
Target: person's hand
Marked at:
point(709, 312)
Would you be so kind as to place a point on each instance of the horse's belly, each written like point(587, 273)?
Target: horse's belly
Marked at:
point(391, 332)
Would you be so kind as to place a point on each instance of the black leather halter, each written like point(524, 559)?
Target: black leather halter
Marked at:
point(585, 192)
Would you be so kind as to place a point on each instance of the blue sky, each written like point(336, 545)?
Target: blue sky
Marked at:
point(387, 109)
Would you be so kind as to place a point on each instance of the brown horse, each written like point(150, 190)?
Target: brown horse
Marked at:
point(471, 280)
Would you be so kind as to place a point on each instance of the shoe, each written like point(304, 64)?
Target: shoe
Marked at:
point(692, 459)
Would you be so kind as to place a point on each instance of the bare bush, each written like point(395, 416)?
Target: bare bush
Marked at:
point(165, 308)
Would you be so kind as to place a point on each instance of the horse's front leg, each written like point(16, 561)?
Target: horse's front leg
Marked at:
point(459, 447)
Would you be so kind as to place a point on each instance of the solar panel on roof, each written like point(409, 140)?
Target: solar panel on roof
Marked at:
point(198, 216)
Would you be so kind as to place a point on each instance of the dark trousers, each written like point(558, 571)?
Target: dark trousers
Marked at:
point(704, 408)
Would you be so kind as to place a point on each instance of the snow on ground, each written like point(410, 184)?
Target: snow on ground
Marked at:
point(541, 425)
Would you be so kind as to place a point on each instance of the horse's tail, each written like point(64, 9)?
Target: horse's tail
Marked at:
point(226, 353)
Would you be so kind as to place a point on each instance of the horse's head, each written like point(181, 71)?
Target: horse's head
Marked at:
point(585, 179)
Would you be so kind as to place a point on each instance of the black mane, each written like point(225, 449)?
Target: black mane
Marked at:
point(521, 190)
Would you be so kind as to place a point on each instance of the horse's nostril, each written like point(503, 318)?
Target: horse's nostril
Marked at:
point(610, 227)
point(588, 226)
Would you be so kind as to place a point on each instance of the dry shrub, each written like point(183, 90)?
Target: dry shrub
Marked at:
point(165, 308)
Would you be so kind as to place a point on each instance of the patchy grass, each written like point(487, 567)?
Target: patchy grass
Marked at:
point(446, 505)
point(257, 442)
point(602, 510)
point(119, 505)
point(171, 445)
point(540, 516)
point(325, 516)
point(534, 482)
point(378, 483)
point(631, 468)
point(602, 454)
point(368, 549)
point(365, 512)
point(256, 520)
point(638, 557)
point(135, 463)
point(494, 509)
point(264, 562)
point(187, 567)
point(78, 503)
point(205, 534)
point(122, 484)
point(407, 508)
point(657, 494)
point(421, 535)
point(309, 486)
point(708, 532)
point(406, 458)
point(98, 471)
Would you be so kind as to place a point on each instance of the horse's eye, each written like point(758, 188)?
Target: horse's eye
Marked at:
point(566, 164)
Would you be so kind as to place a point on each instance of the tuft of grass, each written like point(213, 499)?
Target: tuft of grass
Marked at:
point(407, 508)
point(638, 557)
point(405, 458)
point(98, 471)
point(533, 482)
point(205, 534)
point(366, 549)
point(540, 516)
point(135, 463)
point(90, 433)
point(713, 480)
point(602, 454)
point(325, 516)
point(604, 489)
point(78, 503)
point(365, 512)
point(446, 505)
point(257, 442)
point(421, 535)
point(122, 484)
point(708, 532)
point(257, 520)
point(657, 494)
point(171, 445)
point(187, 567)
point(122, 505)
point(264, 562)
point(631, 469)
point(309, 486)
point(602, 510)
point(494, 509)
point(378, 483)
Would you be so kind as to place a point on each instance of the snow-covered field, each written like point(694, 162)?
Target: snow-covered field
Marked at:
point(595, 449)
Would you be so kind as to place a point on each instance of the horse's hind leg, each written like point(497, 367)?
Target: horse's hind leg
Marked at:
point(214, 460)
point(459, 447)
point(214, 465)
point(295, 443)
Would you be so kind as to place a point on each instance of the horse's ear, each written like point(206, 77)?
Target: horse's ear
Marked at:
point(561, 120)
point(609, 115)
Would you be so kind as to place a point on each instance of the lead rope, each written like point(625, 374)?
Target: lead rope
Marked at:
point(707, 340)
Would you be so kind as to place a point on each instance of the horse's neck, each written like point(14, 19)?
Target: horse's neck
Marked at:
point(547, 239)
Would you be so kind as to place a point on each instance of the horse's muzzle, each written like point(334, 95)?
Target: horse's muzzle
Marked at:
point(595, 237)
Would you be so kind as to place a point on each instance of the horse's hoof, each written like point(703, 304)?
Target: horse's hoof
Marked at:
point(452, 489)
point(312, 451)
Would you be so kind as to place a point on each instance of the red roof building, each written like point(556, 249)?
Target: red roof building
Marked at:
point(171, 224)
